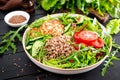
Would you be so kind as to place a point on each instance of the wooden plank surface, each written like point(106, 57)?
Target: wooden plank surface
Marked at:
point(18, 66)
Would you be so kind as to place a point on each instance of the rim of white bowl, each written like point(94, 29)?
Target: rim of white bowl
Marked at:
point(51, 67)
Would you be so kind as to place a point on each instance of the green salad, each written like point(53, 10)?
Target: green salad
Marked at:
point(67, 41)
point(112, 7)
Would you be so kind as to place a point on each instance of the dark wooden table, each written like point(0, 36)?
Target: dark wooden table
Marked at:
point(18, 67)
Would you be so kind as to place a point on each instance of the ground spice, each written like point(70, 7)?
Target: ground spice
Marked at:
point(17, 19)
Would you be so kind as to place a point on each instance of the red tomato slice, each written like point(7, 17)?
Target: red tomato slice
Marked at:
point(97, 43)
point(76, 37)
point(85, 36)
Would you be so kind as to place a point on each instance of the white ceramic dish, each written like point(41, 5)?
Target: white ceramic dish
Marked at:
point(13, 13)
point(58, 70)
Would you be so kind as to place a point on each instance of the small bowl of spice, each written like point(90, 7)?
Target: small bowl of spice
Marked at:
point(17, 18)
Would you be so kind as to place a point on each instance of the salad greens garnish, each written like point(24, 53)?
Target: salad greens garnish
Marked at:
point(8, 40)
point(82, 57)
point(111, 7)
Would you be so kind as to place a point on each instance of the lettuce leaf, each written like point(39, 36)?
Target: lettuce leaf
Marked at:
point(48, 4)
point(111, 7)
point(113, 27)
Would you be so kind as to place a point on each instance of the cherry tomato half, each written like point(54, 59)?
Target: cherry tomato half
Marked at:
point(97, 43)
point(85, 36)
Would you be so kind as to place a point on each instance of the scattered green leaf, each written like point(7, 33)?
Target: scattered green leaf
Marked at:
point(113, 27)
point(8, 40)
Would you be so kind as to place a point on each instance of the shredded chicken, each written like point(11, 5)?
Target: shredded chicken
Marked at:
point(34, 32)
point(53, 27)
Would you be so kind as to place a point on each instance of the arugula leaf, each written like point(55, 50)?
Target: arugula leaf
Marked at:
point(108, 61)
point(116, 46)
point(8, 40)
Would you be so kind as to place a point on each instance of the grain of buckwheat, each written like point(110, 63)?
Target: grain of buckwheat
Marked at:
point(59, 46)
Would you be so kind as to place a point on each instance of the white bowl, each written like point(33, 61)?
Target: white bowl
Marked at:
point(13, 13)
point(59, 70)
